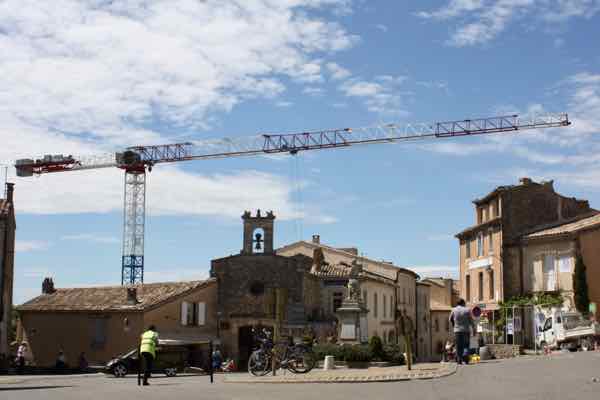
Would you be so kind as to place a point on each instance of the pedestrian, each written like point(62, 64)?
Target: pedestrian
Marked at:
point(149, 341)
point(217, 359)
point(61, 361)
point(83, 364)
point(21, 352)
point(461, 320)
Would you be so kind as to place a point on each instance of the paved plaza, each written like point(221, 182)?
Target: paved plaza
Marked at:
point(563, 376)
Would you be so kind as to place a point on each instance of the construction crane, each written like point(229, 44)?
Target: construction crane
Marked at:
point(138, 160)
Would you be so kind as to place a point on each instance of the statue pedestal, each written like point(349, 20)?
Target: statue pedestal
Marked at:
point(352, 317)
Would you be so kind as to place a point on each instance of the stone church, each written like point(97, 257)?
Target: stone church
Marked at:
point(257, 284)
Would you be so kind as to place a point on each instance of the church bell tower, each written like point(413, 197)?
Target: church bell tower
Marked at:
point(258, 233)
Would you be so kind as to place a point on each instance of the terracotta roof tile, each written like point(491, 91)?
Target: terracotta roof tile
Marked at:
point(571, 227)
point(110, 298)
point(341, 271)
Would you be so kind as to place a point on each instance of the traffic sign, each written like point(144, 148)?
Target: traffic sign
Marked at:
point(476, 311)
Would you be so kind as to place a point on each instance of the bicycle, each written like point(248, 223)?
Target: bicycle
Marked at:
point(296, 358)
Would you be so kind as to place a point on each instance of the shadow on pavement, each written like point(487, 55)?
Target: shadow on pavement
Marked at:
point(33, 387)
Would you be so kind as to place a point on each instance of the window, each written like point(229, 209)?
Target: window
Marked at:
point(100, 329)
point(447, 325)
point(193, 314)
point(481, 286)
point(492, 297)
point(365, 297)
point(479, 215)
point(549, 273)
point(480, 244)
point(497, 207)
point(490, 242)
point(375, 305)
point(384, 308)
point(338, 297)
point(468, 248)
point(565, 264)
point(392, 307)
point(403, 295)
point(437, 325)
point(484, 214)
point(468, 287)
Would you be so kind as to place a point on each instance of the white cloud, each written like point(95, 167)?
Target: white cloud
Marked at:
point(453, 9)
point(23, 246)
point(313, 91)
point(379, 95)
point(83, 77)
point(482, 21)
point(382, 27)
point(91, 237)
point(284, 104)
point(337, 71)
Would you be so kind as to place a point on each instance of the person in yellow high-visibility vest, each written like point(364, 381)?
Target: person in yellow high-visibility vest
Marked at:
point(148, 351)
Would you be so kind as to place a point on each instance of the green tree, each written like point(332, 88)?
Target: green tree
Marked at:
point(580, 287)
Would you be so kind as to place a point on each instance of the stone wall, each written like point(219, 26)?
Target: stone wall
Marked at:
point(504, 350)
point(247, 284)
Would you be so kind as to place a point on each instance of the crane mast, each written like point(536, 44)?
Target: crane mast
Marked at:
point(137, 160)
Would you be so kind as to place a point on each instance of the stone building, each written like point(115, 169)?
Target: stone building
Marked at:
point(423, 325)
point(248, 284)
point(550, 255)
point(443, 296)
point(105, 322)
point(385, 287)
point(7, 253)
point(491, 252)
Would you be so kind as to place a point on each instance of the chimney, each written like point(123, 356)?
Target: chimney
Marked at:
point(316, 239)
point(525, 181)
point(132, 296)
point(48, 286)
point(10, 188)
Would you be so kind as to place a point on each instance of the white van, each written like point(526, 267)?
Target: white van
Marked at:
point(567, 330)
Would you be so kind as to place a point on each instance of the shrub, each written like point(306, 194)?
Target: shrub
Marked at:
point(393, 353)
point(357, 353)
point(376, 348)
point(328, 349)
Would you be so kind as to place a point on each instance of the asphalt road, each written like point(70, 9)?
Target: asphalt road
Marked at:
point(565, 376)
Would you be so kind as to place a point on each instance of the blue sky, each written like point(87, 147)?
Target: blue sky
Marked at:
point(87, 77)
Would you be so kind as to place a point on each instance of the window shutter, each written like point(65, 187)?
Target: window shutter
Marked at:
point(184, 313)
point(201, 314)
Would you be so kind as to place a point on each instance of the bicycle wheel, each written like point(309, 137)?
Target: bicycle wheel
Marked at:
point(301, 360)
point(259, 363)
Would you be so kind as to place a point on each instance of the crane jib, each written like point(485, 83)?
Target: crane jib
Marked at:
point(136, 160)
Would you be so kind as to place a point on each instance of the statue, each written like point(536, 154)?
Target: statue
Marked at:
point(270, 214)
point(246, 214)
point(258, 214)
point(353, 283)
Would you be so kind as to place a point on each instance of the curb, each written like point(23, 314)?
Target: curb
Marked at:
point(349, 378)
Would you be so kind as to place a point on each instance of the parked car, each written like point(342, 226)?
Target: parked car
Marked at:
point(171, 357)
point(567, 330)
